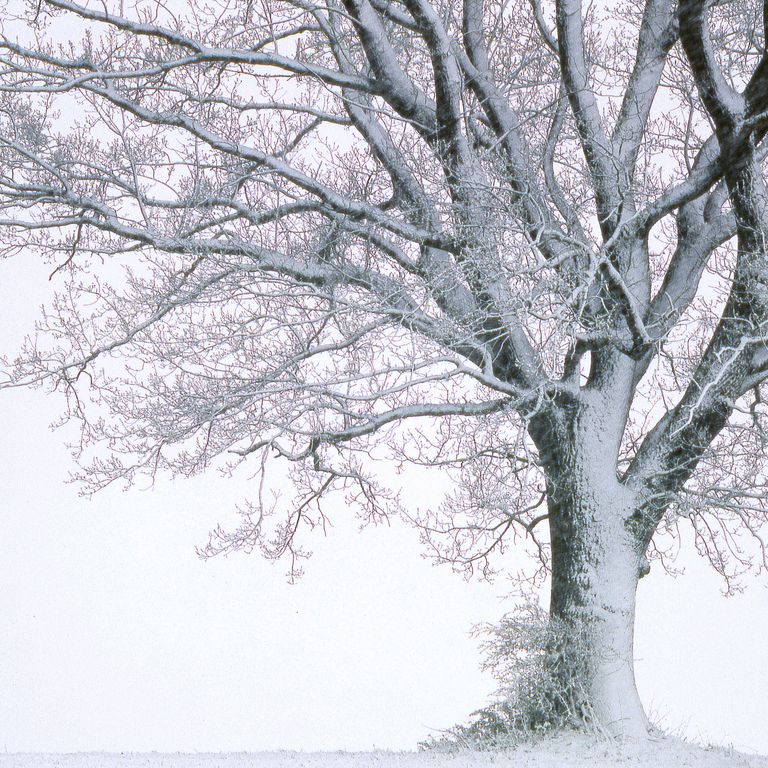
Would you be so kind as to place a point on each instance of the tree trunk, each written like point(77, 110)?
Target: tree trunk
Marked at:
point(596, 565)
point(595, 571)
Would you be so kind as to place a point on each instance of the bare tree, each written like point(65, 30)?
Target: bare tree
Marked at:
point(523, 244)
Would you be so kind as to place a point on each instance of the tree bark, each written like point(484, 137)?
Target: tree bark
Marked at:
point(595, 571)
point(597, 562)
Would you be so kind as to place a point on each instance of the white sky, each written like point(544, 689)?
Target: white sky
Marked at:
point(116, 637)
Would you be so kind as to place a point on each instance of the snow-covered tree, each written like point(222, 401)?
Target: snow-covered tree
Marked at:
point(521, 243)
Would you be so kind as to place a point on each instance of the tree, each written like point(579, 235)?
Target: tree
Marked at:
point(520, 243)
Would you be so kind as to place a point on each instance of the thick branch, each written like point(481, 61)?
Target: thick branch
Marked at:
point(656, 36)
point(596, 146)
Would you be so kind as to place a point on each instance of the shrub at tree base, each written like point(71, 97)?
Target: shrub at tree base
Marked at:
point(525, 654)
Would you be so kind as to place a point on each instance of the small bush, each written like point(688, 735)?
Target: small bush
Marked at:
point(538, 693)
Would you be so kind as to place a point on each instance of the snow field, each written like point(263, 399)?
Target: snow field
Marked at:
point(568, 751)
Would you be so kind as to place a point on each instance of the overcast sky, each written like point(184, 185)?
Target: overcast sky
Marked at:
point(115, 636)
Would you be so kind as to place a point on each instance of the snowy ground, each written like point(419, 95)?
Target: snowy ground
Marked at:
point(571, 751)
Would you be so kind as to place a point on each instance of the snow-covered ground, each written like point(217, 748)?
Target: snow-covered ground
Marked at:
point(570, 751)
